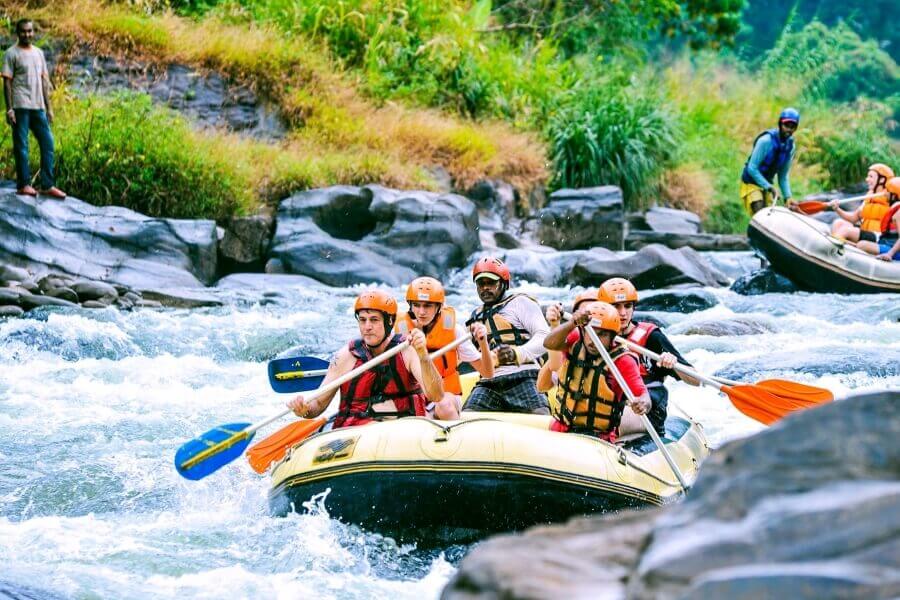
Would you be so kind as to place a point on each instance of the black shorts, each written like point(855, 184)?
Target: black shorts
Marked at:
point(867, 236)
point(516, 392)
point(659, 396)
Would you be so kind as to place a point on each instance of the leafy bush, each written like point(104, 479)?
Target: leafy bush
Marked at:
point(835, 63)
point(846, 152)
point(621, 139)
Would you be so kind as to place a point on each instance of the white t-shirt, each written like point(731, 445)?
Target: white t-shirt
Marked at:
point(524, 313)
point(467, 352)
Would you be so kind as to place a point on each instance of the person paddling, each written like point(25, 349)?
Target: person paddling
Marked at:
point(400, 387)
point(429, 313)
point(622, 294)
point(772, 155)
point(516, 329)
point(547, 376)
point(590, 400)
point(864, 223)
point(888, 246)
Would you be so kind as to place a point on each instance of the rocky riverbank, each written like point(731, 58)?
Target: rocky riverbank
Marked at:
point(805, 509)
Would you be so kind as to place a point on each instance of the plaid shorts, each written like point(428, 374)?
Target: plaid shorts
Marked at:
point(516, 392)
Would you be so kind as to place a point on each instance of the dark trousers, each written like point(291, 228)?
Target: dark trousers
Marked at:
point(659, 396)
point(36, 122)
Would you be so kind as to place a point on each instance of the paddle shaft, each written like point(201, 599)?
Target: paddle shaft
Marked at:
point(683, 369)
point(331, 387)
point(863, 197)
point(627, 391)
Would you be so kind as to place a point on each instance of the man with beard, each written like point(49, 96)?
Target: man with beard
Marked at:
point(516, 329)
point(772, 155)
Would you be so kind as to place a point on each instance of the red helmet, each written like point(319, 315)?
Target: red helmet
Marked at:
point(425, 289)
point(492, 267)
point(617, 289)
point(376, 300)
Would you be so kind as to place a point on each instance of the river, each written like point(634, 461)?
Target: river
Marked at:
point(93, 405)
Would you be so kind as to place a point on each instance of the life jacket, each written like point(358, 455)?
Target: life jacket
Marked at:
point(500, 330)
point(779, 154)
point(872, 212)
point(586, 400)
point(888, 227)
point(442, 332)
point(640, 335)
point(390, 380)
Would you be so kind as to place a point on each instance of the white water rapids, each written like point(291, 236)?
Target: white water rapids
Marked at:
point(93, 405)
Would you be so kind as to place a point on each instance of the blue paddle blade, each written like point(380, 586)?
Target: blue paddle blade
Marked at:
point(199, 457)
point(290, 375)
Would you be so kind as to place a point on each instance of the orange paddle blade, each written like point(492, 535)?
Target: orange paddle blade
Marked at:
point(760, 404)
point(808, 395)
point(274, 447)
point(811, 207)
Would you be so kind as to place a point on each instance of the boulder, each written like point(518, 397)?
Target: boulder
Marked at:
point(178, 298)
point(704, 242)
point(66, 293)
point(494, 196)
point(246, 239)
point(94, 290)
point(681, 301)
point(11, 295)
point(546, 268)
point(345, 235)
point(671, 220)
point(111, 243)
point(11, 311)
point(763, 281)
point(582, 218)
point(94, 304)
point(9, 274)
point(808, 508)
point(652, 267)
point(724, 327)
point(29, 301)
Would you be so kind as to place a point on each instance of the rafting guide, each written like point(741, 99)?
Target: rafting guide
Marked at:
point(771, 158)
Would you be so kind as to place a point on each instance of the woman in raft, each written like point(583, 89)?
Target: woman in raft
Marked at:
point(864, 223)
point(888, 245)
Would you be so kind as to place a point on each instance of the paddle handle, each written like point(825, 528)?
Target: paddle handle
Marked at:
point(683, 369)
point(627, 391)
point(331, 387)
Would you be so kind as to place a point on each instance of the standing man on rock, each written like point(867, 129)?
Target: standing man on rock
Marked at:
point(516, 329)
point(772, 155)
point(26, 88)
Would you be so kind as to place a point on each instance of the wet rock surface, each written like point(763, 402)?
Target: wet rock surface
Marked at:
point(582, 218)
point(763, 281)
point(805, 509)
point(682, 301)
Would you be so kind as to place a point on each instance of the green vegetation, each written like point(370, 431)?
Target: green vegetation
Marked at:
point(647, 95)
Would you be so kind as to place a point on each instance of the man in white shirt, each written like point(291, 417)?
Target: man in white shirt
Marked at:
point(516, 329)
point(26, 89)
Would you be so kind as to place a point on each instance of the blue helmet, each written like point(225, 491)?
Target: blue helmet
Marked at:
point(789, 114)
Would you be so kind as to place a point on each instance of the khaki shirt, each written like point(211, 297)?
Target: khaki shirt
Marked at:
point(27, 69)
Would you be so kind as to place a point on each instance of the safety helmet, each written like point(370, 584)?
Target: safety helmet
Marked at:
point(425, 289)
point(893, 186)
point(616, 290)
point(884, 173)
point(604, 316)
point(588, 295)
point(789, 115)
point(491, 267)
point(376, 300)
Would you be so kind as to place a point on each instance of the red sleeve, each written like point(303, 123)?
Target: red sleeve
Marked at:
point(573, 337)
point(631, 373)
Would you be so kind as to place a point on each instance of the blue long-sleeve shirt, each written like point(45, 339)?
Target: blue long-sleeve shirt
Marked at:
point(760, 150)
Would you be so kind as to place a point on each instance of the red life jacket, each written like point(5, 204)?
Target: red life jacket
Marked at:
point(888, 227)
point(640, 335)
point(390, 380)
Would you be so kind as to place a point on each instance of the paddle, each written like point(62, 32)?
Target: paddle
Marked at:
point(219, 446)
point(800, 392)
point(274, 447)
point(756, 402)
point(627, 391)
point(812, 207)
point(296, 374)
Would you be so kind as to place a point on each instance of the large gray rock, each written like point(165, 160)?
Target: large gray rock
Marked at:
point(111, 244)
point(671, 220)
point(246, 241)
point(345, 235)
point(807, 509)
point(681, 301)
point(582, 218)
point(546, 268)
point(704, 242)
point(649, 268)
point(763, 281)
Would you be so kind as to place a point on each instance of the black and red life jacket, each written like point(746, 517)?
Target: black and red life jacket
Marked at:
point(640, 335)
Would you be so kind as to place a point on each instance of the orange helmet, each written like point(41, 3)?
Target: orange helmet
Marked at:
point(893, 186)
point(604, 316)
point(884, 173)
point(425, 289)
point(493, 267)
point(376, 300)
point(588, 295)
point(617, 289)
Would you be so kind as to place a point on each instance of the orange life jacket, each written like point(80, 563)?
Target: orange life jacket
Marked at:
point(871, 214)
point(586, 400)
point(391, 380)
point(442, 332)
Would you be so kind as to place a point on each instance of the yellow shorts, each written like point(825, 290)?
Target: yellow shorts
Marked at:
point(750, 193)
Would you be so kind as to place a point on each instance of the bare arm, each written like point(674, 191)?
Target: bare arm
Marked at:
point(556, 339)
point(545, 375)
point(852, 216)
point(46, 88)
point(342, 362)
point(425, 373)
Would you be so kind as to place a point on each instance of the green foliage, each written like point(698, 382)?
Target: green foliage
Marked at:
point(122, 150)
point(846, 151)
point(617, 138)
point(834, 63)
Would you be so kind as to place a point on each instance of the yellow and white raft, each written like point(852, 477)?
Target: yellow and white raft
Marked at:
point(444, 482)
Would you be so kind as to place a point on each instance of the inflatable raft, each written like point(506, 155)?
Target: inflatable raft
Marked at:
point(801, 249)
point(443, 482)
